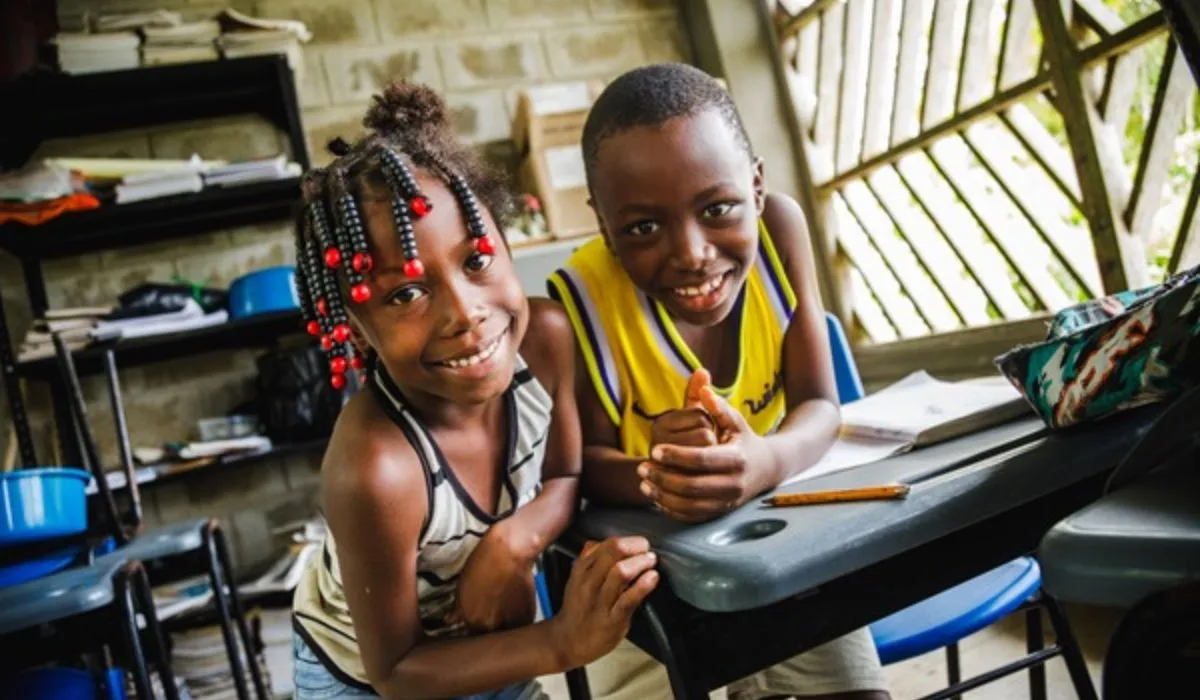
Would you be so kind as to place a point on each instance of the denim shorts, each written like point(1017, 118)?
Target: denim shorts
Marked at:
point(315, 682)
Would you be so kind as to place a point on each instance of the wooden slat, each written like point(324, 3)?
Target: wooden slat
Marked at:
point(1017, 46)
point(930, 302)
point(1004, 231)
point(941, 72)
point(1120, 266)
point(1127, 39)
point(1102, 19)
point(854, 85)
point(936, 256)
point(1176, 90)
point(1185, 254)
point(956, 355)
point(830, 81)
point(806, 16)
point(974, 77)
point(1045, 149)
point(881, 82)
point(909, 79)
point(890, 293)
point(986, 265)
point(984, 143)
point(868, 312)
point(1120, 88)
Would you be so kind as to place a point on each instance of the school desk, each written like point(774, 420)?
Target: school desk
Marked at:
point(763, 584)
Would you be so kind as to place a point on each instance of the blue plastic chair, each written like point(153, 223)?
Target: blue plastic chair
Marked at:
point(944, 619)
point(103, 601)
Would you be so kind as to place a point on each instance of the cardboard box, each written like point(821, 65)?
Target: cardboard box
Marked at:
point(547, 130)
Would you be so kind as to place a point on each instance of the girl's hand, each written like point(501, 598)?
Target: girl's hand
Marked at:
point(608, 582)
point(690, 425)
point(697, 484)
point(496, 590)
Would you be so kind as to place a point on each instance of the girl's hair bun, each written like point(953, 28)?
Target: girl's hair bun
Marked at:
point(406, 107)
point(339, 146)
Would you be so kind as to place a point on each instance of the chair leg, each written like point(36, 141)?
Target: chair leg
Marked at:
point(239, 617)
point(953, 669)
point(1076, 666)
point(684, 684)
point(218, 583)
point(122, 584)
point(1034, 641)
point(158, 646)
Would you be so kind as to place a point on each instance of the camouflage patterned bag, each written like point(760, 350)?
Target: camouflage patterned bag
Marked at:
point(1108, 355)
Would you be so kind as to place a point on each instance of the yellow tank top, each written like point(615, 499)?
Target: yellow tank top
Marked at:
point(638, 363)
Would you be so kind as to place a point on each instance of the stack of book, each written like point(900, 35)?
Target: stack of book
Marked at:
point(97, 53)
point(242, 35)
point(199, 660)
point(188, 42)
point(251, 171)
point(76, 326)
point(182, 179)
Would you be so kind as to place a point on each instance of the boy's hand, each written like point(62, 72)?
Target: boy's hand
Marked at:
point(496, 590)
point(690, 425)
point(608, 582)
point(697, 484)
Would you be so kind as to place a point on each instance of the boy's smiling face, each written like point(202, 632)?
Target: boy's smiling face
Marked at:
point(679, 203)
point(452, 333)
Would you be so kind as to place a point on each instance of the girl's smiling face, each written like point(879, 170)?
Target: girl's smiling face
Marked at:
point(453, 332)
point(679, 203)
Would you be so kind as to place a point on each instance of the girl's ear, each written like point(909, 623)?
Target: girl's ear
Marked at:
point(760, 186)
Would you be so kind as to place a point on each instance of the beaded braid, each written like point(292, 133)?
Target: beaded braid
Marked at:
point(343, 245)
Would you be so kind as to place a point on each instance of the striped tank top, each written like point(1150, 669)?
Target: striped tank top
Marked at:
point(638, 363)
point(453, 526)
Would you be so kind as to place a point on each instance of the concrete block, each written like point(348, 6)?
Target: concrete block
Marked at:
point(414, 20)
point(606, 9)
point(593, 51)
point(357, 74)
point(313, 90)
point(343, 22)
point(665, 41)
point(117, 144)
point(491, 61)
point(536, 13)
point(228, 138)
point(323, 125)
point(480, 117)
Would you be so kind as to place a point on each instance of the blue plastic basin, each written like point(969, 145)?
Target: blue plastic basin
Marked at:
point(42, 502)
point(264, 291)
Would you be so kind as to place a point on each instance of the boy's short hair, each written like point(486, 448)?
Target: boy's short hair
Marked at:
point(651, 95)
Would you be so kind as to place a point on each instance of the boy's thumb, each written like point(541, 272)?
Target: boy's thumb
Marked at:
point(695, 387)
point(727, 418)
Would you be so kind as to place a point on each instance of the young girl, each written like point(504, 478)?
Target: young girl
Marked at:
point(700, 271)
point(456, 466)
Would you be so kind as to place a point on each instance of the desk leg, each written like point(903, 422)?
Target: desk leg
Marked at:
point(685, 684)
point(1076, 666)
point(557, 569)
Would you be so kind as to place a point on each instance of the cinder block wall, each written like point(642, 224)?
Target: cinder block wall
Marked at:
point(478, 52)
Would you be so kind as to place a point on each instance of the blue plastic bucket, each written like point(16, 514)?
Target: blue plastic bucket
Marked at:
point(61, 683)
point(264, 291)
point(42, 502)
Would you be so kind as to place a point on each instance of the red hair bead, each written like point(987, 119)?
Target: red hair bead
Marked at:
point(362, 262)
point(484, 245)
point(322, 308)
point(357, 361)
point(360, 293)
point(313, 328)
point(413, 269)
point(340, 333)
point(326, 343)
point(333, 257)
point(420, 205)
point(337, 365)
point(337, 381)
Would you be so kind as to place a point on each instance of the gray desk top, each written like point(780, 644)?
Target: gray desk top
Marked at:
point(1129, 544)
point(758, 555)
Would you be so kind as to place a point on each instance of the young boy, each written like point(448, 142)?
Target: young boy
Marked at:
point(699, 271)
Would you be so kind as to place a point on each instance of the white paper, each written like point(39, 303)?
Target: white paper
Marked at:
point(920, 402)
point(848, 452)
point(565, 166)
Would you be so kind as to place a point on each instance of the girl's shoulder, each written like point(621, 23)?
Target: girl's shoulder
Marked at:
point(549, 344)
point(787, 226)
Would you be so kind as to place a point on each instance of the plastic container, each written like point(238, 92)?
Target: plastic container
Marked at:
point(42, 502)
point(264, 291)
point(62, 683)
point(226, 427)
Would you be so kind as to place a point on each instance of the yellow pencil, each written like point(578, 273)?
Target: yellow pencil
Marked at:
point(866, 493)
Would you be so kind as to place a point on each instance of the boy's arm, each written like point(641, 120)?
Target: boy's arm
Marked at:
point(813, 415)
point(609, 475)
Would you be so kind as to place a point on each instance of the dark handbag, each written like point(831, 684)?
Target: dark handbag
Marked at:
point(296, 401)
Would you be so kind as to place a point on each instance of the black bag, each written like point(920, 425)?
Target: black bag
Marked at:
point(296, 401)
point(157, 298)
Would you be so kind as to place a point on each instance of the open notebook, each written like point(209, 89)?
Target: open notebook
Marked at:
point(916, 411)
